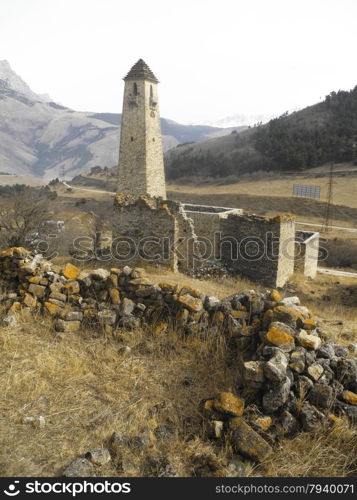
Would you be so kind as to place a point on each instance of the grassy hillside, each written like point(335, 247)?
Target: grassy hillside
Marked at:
point(325, 132)
point(182, 133)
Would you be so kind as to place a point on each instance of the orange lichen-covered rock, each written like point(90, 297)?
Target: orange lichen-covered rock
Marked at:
point(246, 441)
point(246, 330)
point(115, 270)
point(334, 419)
point(240, 314)
point(70, 271)
point(287, 315)
point(206, 408)
point(218, 318)
point(191, 291)
point(308, 324)
point(52, 309)
point(72, 287)
point(276, 296)
point(114, 295)
point(168, 287)
point(281, 339)
point(268, 317)
point(113, 280)
point(34, 279)
point(192, 303)
point(263, 423)
point(350, 397)
point(18, 252)
point(228, 404)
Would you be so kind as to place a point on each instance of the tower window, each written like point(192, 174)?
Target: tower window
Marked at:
point(151, 92)
point(135, 88)
point(132, 138)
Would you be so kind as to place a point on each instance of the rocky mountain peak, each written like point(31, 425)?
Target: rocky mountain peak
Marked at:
point(14, 82)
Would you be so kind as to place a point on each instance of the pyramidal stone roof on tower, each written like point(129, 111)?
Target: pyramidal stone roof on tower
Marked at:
point(141, 70)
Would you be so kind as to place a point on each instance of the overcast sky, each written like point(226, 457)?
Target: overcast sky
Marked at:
point(214, 58)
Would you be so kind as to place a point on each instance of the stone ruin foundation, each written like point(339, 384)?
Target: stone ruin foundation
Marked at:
point(188, 237)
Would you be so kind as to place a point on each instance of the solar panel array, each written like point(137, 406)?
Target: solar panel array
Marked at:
point(308, 191)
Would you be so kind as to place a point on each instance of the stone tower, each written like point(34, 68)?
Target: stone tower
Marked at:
point(141, 159)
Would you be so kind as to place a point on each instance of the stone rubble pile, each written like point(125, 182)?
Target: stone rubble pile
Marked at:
point(290, 376)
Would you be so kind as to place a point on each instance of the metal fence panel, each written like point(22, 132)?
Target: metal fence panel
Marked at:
point(307, 191)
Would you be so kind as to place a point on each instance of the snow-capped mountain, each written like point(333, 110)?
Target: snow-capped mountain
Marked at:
point(240, 119)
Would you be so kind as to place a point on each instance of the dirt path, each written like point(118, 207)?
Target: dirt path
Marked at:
point(86, 189)
point(335, 272)
point(340, 228)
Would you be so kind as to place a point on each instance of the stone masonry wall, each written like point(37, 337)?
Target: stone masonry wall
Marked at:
point(161, 232)
point(207, 226)
point(286, 249)
point(307, 253)
point(147, 228)
point(260, 248)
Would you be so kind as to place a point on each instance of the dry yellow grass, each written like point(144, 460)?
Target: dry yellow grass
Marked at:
point(9, 180)
point(220, 287)
point(86, 389)
point(330, 452)
point(344, 191)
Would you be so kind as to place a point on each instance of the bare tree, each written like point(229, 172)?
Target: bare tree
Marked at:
point(21, 213)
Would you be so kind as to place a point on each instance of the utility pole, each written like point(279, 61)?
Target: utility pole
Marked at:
point(106, 178)
point(63, 174)
point(326, 224)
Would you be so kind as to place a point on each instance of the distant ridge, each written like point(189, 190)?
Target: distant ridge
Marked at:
point(322, 133)
point(41, 138)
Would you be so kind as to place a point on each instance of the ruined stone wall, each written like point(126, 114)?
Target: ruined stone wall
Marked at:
point(141, 163)
point(159, 230)
point(207, 226)
point(146, 228)
point(307, 253)
point(185, 247)
point(162, 232)
point(286, 249)
point(260, 248)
